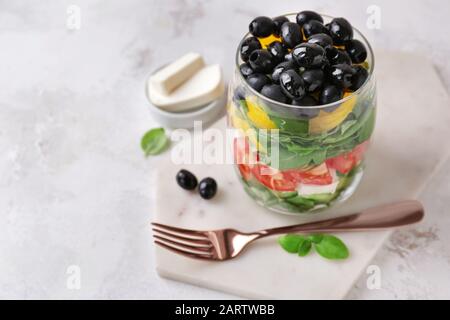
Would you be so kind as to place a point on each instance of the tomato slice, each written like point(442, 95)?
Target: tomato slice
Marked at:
point(246, 171)
point(277, 181)
point(342, 163)
point(345, 162)
point(241, 150)
point(242, 157)
point(308, 177)
point(359, 151)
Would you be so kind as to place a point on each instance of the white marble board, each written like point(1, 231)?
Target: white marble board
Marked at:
point(407, 148)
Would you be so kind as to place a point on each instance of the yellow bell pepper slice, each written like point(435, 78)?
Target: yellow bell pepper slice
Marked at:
point(268, 40)
point(328, 120)
point(241, 124)
point(257, 115)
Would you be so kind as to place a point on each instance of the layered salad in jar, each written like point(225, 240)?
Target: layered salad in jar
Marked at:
point(303, 101)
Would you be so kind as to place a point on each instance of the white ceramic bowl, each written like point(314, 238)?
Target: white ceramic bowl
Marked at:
point(185, 119)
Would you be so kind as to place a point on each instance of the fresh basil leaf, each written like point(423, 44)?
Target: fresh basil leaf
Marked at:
point(315, 238)
point(291, 242)
point(154, 141)
point(331, 247)
point(304, 248)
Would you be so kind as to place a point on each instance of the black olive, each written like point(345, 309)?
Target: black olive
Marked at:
point(306, 101)
point(314, 27)
point(239, 94)
point(278, 22)
point(280, 68)
point(186, 180)
point(313, 79)
point(277, 50)
point(207, 188)
point(331, 53)
point(261, 61)
point(359, 78)
point(342, 57)
point(248, 45)
point(258, 80)
point(341, 75)
point(274, 92)
point(261, 27)
point(330, 93)
point(309, 55)
point(291, 34)
point(292, 84)
point(246, 70)
point(321, 39)
point(340, 30)
point(289, 57)
point(336, 56)
point(306, 16)
point(356, 50)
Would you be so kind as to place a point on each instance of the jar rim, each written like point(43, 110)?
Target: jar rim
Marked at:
point(322, 106)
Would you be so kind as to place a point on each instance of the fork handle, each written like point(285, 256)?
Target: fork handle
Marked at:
point(396, 214)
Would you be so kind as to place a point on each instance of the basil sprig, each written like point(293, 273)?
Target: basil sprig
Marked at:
point(328, 246)
point(154, 141)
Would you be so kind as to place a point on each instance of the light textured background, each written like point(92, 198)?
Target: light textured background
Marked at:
point(74, 186)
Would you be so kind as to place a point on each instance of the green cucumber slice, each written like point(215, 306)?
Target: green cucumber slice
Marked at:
point(322, 197)
point(285, 194)
point(300, 201)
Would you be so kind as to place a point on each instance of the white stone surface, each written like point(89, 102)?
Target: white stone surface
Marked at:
point(75, 188)
point(395, 170)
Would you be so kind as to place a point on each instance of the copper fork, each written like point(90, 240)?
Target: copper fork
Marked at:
point(225, 244)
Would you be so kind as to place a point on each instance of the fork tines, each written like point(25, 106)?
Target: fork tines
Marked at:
point(190, 243)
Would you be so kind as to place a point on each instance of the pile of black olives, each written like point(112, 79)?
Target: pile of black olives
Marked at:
point(309, 63)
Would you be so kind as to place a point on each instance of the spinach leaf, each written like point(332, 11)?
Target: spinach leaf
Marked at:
point(368, 127)
point(319, 156)
point(291, 125)
point(287, 160)
point(297, 148)
point(347, 124)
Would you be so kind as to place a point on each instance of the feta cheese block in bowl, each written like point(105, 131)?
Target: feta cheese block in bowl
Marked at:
point(168, 78)
point(186, 91)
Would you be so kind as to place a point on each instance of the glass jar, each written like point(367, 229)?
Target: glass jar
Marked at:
point(296, 159)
